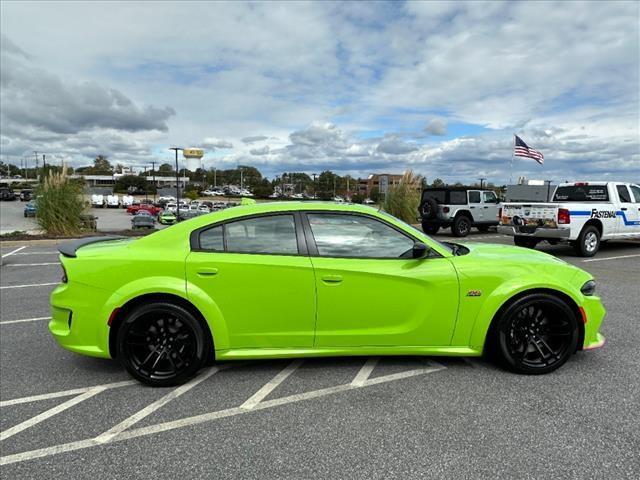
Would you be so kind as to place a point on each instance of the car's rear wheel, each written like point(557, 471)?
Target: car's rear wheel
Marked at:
point(461, 226)
point(430, 229)
point(525, 242)
point(536, 334)
point(588, 242)
point(162, 344)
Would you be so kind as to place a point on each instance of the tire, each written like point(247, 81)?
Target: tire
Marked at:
point(429, 209)
point(429, 228)
point(461, 226)
point(25, 215)
point(525, 242)
point(535, 335)
point(588, 242)
point(483, 228)
point(162, 344)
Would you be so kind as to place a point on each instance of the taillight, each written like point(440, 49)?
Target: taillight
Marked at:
point(446, 209)
point(564, 217)
point(64, 275)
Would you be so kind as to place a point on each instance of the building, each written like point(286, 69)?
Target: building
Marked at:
point(108, 181)
point(381, 181)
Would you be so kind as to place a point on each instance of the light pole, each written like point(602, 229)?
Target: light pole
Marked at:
point(481, 182)
point(155, 189)
point(175, 149)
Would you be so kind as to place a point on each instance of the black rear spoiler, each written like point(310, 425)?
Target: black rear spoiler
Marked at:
point(69, 249)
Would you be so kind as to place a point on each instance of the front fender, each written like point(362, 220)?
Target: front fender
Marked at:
point(503, 294)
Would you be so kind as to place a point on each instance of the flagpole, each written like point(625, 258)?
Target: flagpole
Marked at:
point(511, 165)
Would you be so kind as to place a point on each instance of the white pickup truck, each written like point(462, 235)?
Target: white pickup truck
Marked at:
point(581, 213)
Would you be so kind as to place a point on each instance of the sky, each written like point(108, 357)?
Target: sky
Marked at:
point(355, 87)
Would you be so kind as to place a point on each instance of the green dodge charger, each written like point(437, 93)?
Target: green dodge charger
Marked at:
point(282, 280)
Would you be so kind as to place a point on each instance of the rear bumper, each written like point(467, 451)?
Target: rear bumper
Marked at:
point(79, 317)
point(555, 233)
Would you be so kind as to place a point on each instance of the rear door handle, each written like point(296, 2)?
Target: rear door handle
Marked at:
point(486, 207)
point(624, 209)
point(207, 272)
point(332, 278)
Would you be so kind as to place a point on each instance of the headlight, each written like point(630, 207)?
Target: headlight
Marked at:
point(589, 288)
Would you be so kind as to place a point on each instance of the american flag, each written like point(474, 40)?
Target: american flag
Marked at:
point(521, 149)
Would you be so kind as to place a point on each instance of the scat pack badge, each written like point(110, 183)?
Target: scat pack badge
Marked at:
point(474, 293)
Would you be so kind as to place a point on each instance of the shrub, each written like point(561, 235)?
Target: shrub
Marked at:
point(60, 204)
point(402, 200)
point(357, 198)
point(191, 194)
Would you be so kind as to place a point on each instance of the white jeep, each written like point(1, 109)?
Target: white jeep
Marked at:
point(459, 208)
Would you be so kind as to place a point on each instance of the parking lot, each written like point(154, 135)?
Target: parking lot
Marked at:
point(68, 416)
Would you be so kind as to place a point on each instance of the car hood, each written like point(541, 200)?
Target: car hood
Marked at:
point(501, 253)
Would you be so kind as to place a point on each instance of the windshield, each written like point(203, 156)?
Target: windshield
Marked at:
point(581, 193)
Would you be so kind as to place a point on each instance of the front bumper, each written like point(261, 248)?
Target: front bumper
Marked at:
point(555, 233)
point(594, 313)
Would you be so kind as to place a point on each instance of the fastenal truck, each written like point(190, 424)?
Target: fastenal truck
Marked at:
point(581, 213)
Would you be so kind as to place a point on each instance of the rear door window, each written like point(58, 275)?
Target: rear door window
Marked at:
point(623, 193)
point(457, 197)
point(275, 234)
point(474, 196)
point(636, 192)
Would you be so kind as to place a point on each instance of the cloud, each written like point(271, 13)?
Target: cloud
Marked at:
point(254, 139)
point(214, 143)
point(394, 145)
point(34, 98)
point(260, 151)
point(436, 126)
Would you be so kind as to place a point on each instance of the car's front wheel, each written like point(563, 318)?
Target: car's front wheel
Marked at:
point(536, 334)
point(162, 344)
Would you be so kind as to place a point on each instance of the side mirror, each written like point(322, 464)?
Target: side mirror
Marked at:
point(419, 250)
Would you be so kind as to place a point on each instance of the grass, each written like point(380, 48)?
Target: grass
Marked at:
point(60, 204)
point(402, 200)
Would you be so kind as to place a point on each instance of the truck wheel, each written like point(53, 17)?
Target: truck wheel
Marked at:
point(430, 209)
point(525, 242)
point(430, 229)
point(588, 242)
point(461, 226)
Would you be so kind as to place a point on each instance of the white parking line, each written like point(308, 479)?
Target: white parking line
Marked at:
point(49, 413)
point(65, 393)
point(39, 253)
point(32, 264)
point(7, 322)
point(365, 371)
point(149, 409)
point(207, 417)
point(27, 286)
point(13, 252)
point(261, 394)
point(602, 259)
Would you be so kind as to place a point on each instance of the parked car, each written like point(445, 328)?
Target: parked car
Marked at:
point(171, 207)
point(459, 208)
point(127, 201)
point(203, 209)
point(167, 199)
point(98, 201)
point(31, 209)
point(143, 219)
point(113, 201)
point(152, 209)
point(25, 195)
point(325, 262)
point(7, 194)
point(581, 213)
point(167, 218)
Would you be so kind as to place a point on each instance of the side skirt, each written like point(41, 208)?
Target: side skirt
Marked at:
point(257, 353)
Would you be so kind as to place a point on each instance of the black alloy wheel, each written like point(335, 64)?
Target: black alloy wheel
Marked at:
point(537, 334)
point(461, 226)
point(161, 344)
point(430, 229)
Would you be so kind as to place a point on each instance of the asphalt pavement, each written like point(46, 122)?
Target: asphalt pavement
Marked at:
point(66, 416)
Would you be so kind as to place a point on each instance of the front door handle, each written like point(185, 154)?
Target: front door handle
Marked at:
point(486, 207)
point(207, 272)
point(332, 279)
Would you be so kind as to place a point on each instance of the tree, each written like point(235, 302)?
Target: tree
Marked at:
point(357, 198)
point(165, 169)
point(437, 183)
point(374, 194)
point(263, 189)
point(123, 183)
point(101, 166)
point(328, 183)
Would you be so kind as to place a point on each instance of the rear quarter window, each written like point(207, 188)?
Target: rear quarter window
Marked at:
point(458, 197)
point(581, 193)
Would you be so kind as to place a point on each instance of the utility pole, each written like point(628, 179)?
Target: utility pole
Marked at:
point(146, 191)
point(315, 188)
point(481, 182)
point(153, 166)
point(334, 186)
point(241, 179)
point(215, 182)
point(36, 155)
point(175, 149)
